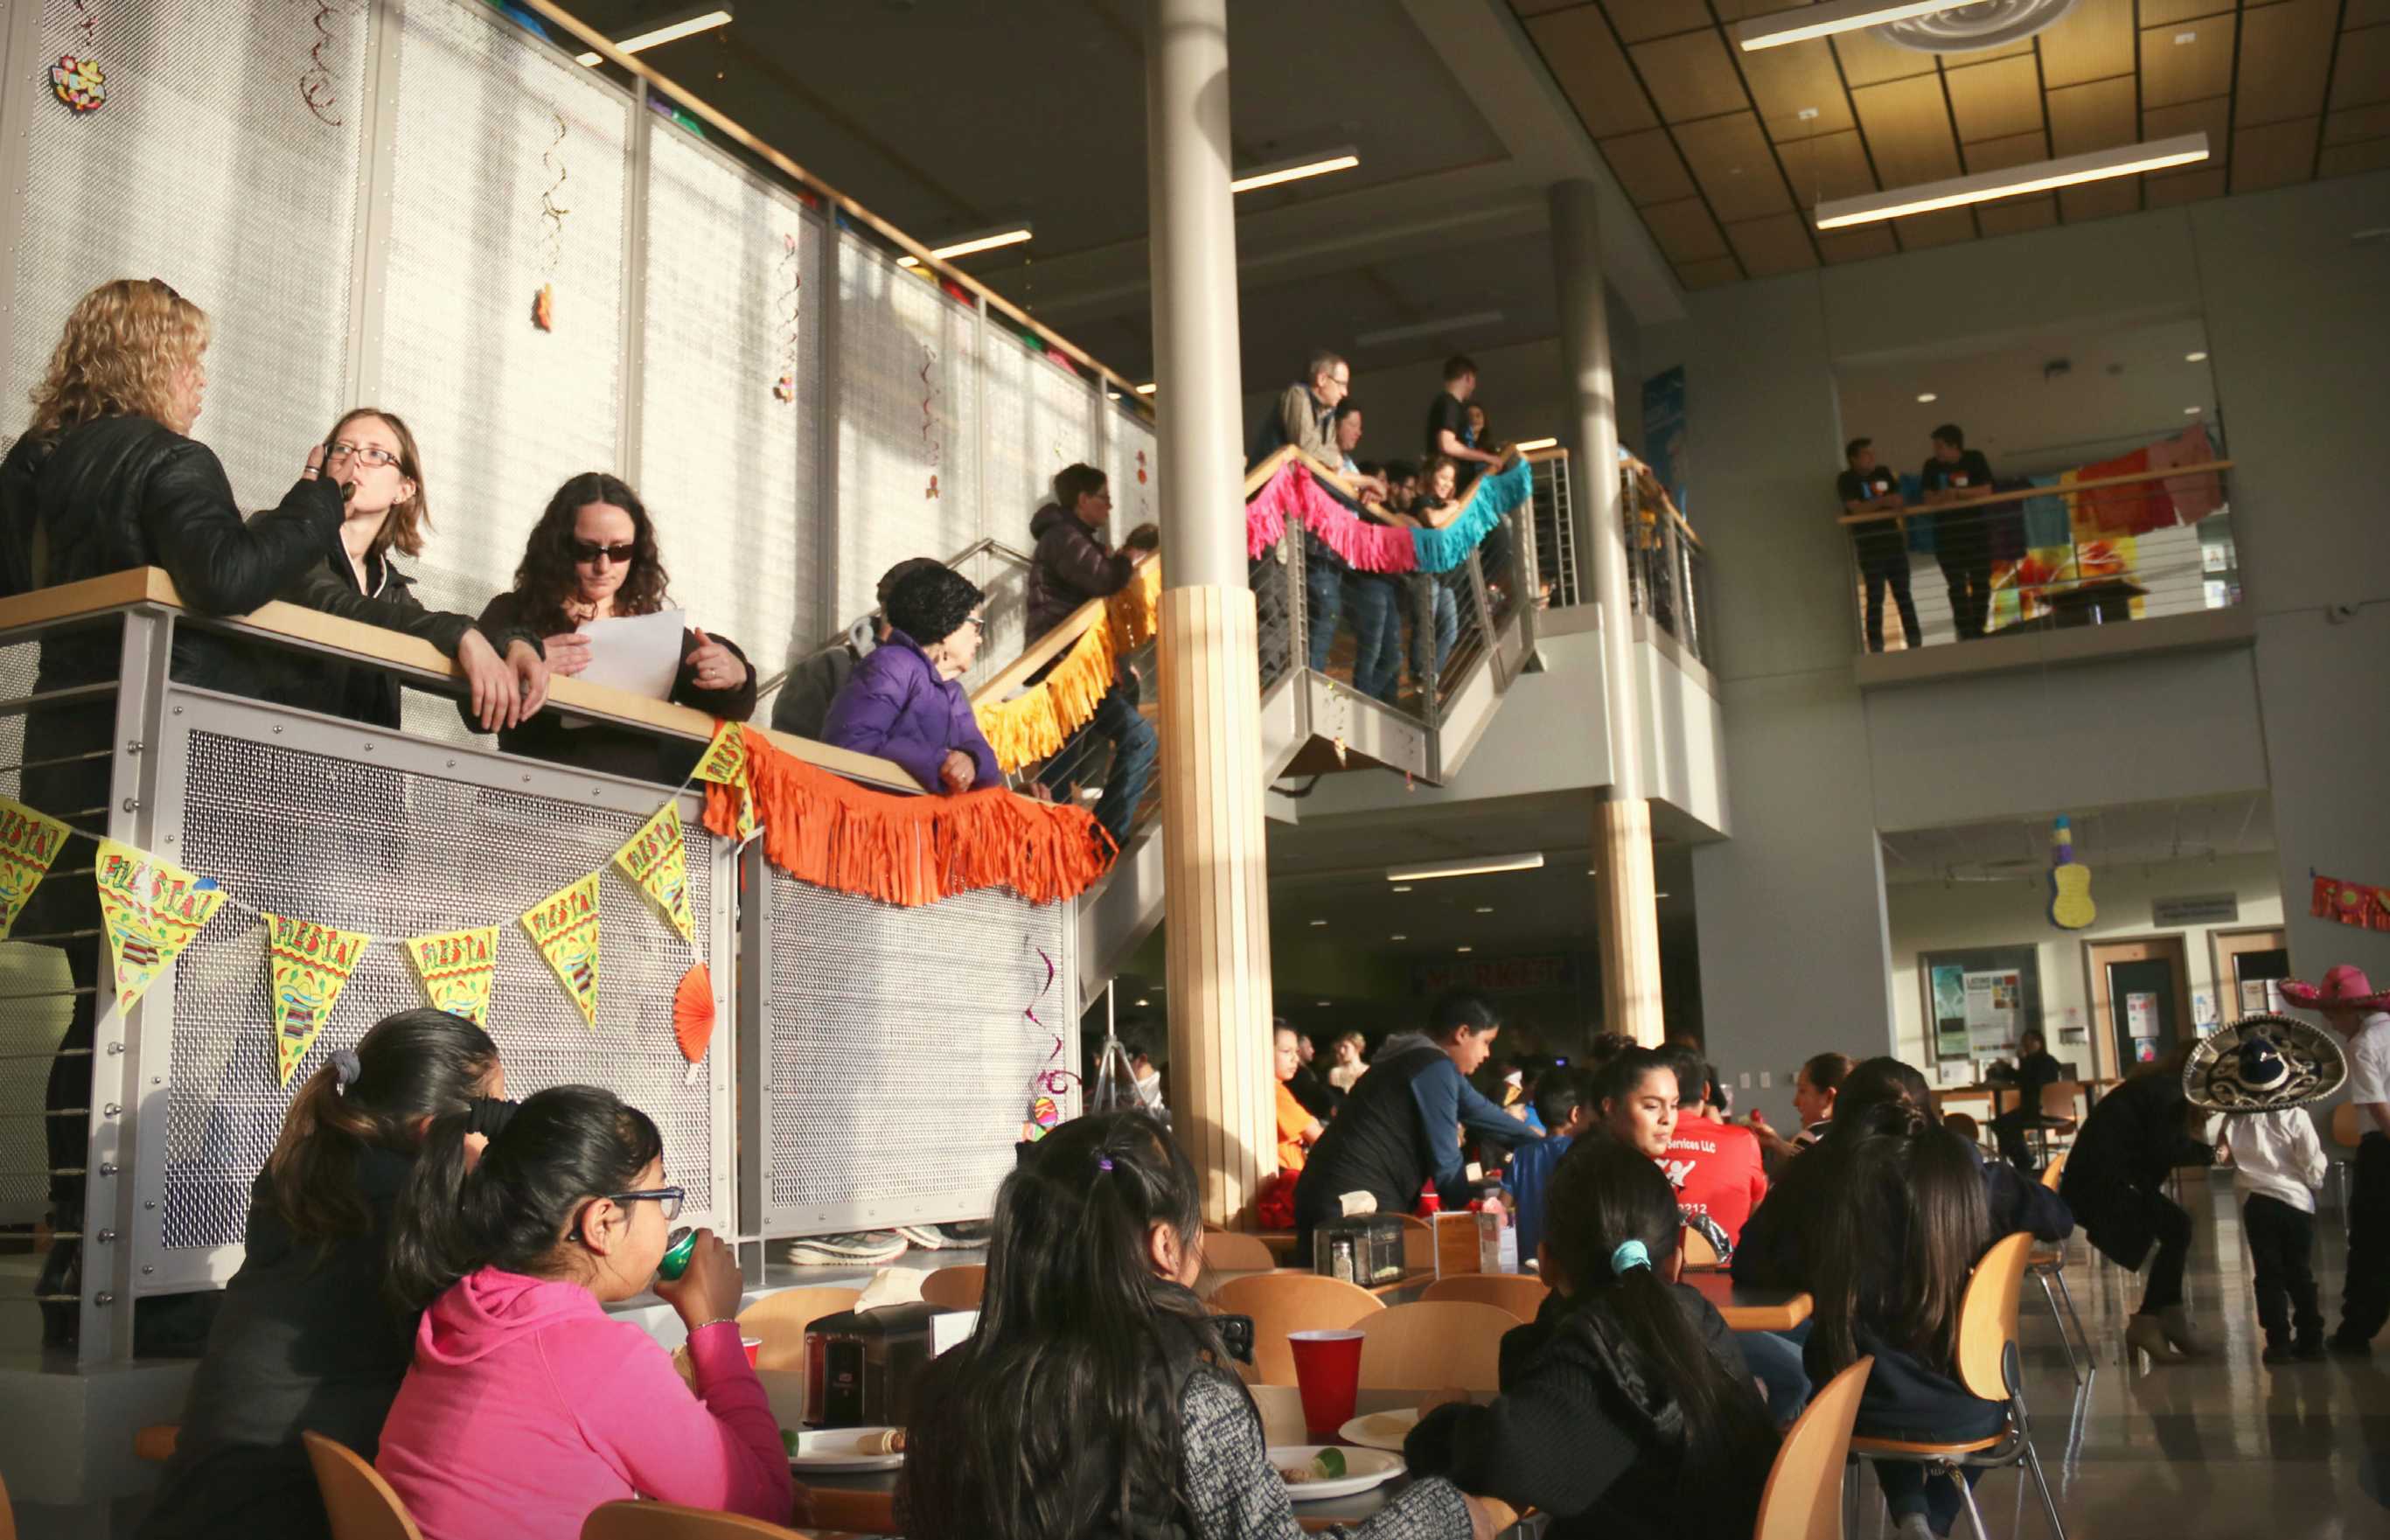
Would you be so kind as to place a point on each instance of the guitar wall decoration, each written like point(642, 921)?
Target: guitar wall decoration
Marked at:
point(2070, 882)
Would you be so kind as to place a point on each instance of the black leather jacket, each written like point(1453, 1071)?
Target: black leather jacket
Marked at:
point(359, 691)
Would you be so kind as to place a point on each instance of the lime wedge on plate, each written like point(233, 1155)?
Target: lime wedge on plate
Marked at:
point(1328, 1464)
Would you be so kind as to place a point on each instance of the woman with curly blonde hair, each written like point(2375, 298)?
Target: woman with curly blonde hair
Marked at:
point(105, 479)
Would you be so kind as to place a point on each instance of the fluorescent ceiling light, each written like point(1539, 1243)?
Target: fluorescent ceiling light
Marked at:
point(1841, 15)
point(1148, 388)
point(1342, 159)
point(2040, 176)
point(1319, 1002)
point(1404, 888)
point(1430, 328)
point(987, 240)
point(1464, 949)
point(2193, 411)
point(1486, 908)
point(1926, 397)
point(1531, 446)
point(1468, 866)
point(687, 25)
point(1398, 936)
point(1319, 922)
point(2194, 358)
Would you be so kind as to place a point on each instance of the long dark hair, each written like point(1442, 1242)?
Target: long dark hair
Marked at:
point(1880, 1082)
point(1601, 1194)
point(1904, 1220)
point(545, 581)
point(1059, 1418)
point(416, 1064)
point(1622, 1076)
point(515, 1207)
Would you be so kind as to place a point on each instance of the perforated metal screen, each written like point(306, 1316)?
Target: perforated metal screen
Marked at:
point(396, 853)
point(896, 1053)
point(1017, 474)
point(1134, 464)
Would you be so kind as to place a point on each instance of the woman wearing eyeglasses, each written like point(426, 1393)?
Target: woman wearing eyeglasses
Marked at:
point(591, 557)
point(387, 511)
point(903, 702)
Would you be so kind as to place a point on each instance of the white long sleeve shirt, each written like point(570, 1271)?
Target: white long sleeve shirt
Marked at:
point(2278, 1154)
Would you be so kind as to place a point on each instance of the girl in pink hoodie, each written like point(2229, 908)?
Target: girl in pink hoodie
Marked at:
point(526, 1405)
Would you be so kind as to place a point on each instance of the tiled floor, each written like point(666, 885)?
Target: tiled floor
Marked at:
point(2224, 1446)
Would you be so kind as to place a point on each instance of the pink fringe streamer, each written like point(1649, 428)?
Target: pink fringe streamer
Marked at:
point(1367, 547)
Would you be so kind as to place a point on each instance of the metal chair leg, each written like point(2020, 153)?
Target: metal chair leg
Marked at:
point(2050, 1299)
point(2068, 1295)
point(1966, 1496)
point(2041, 1482)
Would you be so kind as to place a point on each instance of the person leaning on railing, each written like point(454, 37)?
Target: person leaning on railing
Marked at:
point(904, 703)
point(593, 556)
point(387, 511)
point(814, 681)
point(1303, 416)
point(1071, 566)
point(106, 480)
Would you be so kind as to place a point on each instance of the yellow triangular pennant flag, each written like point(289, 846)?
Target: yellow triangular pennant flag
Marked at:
point(457, 969)
point(151, 909)
point(564, 926)
point(726, 764)
point(656, 860)
point(28, 842)
point(307, 965)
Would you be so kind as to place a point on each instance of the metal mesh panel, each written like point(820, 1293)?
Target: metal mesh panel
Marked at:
point(720, 451)
point(33, 1015)
point(1017, 475)
point(903, 356)
point(1133, 462)
point(373, 849)
point(205, 168)
point(504, 412)
point(943, 1048)
point(1061, 423)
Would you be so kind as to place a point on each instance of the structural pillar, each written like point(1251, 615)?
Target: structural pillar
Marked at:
point(1215, 917)
point(1625, 906)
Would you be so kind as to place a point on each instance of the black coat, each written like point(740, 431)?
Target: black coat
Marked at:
point(2118, 1170)
point(359, 691)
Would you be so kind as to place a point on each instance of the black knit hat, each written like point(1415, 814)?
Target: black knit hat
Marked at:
point(932, 604)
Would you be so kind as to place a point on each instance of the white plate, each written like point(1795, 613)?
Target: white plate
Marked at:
point(841, 1449)
point(1381, 1430)
point(1364, 1469)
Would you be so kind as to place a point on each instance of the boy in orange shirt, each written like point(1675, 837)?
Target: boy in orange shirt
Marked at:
point(1297, 1129)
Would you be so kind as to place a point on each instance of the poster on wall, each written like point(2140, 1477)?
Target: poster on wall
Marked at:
point(1664, 433)
point(1949, 1011)
point(1992, 1001)
point(2142, 1026)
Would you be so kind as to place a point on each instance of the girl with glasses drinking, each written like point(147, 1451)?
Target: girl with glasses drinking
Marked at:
point(591, 557)
point(373, 454)
point(527, 1405)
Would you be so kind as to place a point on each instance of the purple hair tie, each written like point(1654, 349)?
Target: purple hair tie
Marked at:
point(1103, 1162)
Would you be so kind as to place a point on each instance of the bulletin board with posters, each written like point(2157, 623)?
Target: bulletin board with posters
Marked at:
point(1980, 1000)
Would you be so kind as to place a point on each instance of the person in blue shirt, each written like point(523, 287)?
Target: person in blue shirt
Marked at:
point(1559, 1104)
point(1400, 1130)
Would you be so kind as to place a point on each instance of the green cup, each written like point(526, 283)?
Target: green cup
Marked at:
point(677, 1255)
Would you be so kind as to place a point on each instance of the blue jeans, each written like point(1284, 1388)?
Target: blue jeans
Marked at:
point(1134, 746)
point(1775, 1360)
point(1447, 624)
point(1323, 589)
point(1376, 603)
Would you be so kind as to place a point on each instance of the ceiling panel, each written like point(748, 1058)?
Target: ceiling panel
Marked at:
point(1648, 166)
point(2212, 116)
point(1908, 125)
point(2361, 123)
point(2365, 13)
point(1731, 161)
point(2000, 154)
point(1833, 165)
point(1537, 7)
point(1777, 244)
point(1592, 72)
point(1868, 240)
point(1639, 19)
point(2285, 54)
point(1788, 81)
point(1992, 101)
point(2097, 116)
point(1685, 231)
point(2361, 77)
point(2011, 216)
point(1732, 11)
point(2186, 62)
point(2273, 154)
point(1869, 60)
point(2091, 42)
point(2349, 160)
point(2160, 13)
point(2185, 186)
point(1942, 228)
point(1708, 274)
point(2101, 199)
point(1690, 75)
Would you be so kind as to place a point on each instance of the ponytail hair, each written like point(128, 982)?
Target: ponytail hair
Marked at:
point(517, 1205)
point(415, 1065)
point(1080, 1354)
point(1611, 1225)
point(1897, 1241)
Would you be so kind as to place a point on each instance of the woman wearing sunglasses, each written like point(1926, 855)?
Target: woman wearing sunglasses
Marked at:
point(374, 453)
point(904, 703)
point(591, 557)
point(527, 1407)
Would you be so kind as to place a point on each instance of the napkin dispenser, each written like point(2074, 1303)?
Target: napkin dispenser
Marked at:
point(1364, 1249)
point(861, 1366)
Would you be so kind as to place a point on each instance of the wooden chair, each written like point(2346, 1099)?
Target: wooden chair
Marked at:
point(1235, 1251)
point(2059, 1099)
point(157, 1442)
point(780, 1320)
point(1804, 1497)
point(1434, 1344)
point(956, 1287)
point(1695, 1248)
point(360, 1504)
point(1990, 1367)
point(1289, 1300)
point(638, 1520)
point(1520, 1293)
point(2048, 1267)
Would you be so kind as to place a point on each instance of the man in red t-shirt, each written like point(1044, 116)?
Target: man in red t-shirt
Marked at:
point(1714, 1166)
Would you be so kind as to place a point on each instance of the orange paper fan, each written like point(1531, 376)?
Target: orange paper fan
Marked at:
point(693, 1012)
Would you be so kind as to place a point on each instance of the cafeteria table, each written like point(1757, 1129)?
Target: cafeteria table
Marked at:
point(1749, 1309)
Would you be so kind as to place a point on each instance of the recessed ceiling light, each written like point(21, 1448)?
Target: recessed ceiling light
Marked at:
point(668, 32)
point(1145, 1002)
point(1659, 895)
point(2193, 411)
point(1403, 888)
point(1464, 949)
point(1529, 446)
point(1398, 936)
point(1148, 388)
point(2199, 358)
point(1486, 908)
point(1295, 171)
point(1319, 1002)
point(1927, 396)
point(2184, 39)
point(1317, 923)
point(2039, 177)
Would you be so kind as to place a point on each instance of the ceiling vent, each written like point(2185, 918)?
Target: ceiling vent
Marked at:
point(1965, 28)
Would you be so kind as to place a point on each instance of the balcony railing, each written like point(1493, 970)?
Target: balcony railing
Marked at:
point(1667, 566)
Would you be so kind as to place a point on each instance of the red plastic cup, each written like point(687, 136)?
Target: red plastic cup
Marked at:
point(754, 1346)
point(1328, 1372)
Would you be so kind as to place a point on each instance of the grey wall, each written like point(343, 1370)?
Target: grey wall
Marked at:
point(1791, 915)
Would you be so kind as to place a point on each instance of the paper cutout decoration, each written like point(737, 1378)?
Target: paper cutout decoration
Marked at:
point(78, 82)
point(2070, 883)
point(693, 1017)
point(543, 308)
point(656, 860)
point(30, 842)
point(307, 965)
point(457, 969)
point(151, 910)
point(564, 926)
point(2334, 899)
point(725, 764)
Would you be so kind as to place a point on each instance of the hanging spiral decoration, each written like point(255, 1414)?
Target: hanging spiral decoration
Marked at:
point(784, 389)
point(316, 81)
point(930, 393)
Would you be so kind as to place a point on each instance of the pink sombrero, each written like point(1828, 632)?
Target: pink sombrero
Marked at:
point(2345, 987)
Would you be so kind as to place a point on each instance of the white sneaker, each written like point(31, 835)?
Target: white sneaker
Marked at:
point(852, 1248)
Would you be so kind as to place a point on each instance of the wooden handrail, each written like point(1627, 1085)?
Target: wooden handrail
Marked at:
point(373, 643)
point(2067, 490)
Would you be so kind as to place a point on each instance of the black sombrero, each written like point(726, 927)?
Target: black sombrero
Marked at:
point(2262, 1063)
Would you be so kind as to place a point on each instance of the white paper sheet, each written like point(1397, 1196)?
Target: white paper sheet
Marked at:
point(640, 653)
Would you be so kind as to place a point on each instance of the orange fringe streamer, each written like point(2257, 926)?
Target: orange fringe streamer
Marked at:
point(828, 831)
point(1036, 722)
